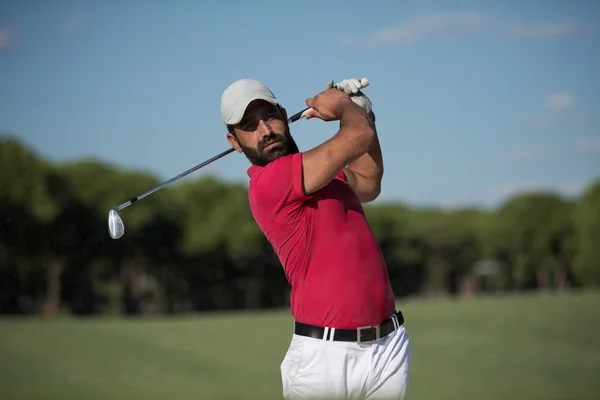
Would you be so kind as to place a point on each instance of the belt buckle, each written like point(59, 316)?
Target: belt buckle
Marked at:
point(361, 328)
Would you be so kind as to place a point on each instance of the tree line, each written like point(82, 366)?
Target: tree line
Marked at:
point(194, 246)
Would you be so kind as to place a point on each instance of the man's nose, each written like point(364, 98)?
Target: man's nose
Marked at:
point(264, 128)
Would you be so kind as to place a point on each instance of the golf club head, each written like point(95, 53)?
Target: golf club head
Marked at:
point(116, 229)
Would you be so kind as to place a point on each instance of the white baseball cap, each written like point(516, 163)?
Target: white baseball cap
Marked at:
point(239, 94)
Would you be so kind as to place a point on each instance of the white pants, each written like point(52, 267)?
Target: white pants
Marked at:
point(319, 369)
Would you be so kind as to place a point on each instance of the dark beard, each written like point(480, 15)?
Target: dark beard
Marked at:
point(263, 157)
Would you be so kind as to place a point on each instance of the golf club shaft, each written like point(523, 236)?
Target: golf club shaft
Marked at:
point(189, 171)
point(364, 83)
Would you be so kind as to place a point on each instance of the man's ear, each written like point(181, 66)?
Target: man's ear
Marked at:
point(284, 112)
point(233, 142)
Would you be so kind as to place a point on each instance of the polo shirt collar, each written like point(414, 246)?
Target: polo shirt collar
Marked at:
point(253, 170)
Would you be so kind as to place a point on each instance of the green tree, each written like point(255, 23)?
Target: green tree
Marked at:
point(586, 266)
point(533, 234)
point(467, 244)
point(396, 229)
point(26, 207)
point(22, 179)
point(101, 187)
point(160, 238)
point(434, 235)
point(452, 243)
point(207, 268)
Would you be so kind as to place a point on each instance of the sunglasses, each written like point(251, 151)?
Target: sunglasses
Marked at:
point(252, 118)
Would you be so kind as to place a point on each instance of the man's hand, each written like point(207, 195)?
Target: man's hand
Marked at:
point(329, 105)
point(352, 88)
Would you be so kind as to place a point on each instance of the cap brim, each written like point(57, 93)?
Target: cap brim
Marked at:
point(237, 116)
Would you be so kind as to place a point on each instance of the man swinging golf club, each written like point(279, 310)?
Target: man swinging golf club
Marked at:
point(349, 341)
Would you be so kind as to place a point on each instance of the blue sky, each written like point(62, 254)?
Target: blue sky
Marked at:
point(475, 100)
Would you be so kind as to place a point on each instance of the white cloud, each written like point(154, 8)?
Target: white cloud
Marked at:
point(588, 145)
point(524, 155)
point(442, 26)
point(560, 101)
point(545, 30)
point(446, 26)
point(580, 120)
point(7, 39)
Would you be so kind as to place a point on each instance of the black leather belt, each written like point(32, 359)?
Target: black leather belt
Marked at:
point(360, 335)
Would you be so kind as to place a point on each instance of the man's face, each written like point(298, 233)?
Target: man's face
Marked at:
point(263, 134)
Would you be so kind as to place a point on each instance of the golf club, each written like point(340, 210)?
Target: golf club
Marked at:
point(116, 228)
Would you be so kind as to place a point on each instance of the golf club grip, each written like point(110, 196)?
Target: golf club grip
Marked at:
point(364, 82)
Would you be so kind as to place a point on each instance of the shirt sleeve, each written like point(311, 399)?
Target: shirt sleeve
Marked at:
point(279, 189)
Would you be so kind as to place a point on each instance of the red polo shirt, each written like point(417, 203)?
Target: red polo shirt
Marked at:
point(328, 251)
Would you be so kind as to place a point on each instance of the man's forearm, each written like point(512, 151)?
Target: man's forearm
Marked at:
point(356, 125)
point(370, 165)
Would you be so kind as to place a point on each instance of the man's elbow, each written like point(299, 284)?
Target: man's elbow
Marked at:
point(371, 194)
point(376, 192)
point(376, 183)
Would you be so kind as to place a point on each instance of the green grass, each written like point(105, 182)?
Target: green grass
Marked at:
point(510, 347)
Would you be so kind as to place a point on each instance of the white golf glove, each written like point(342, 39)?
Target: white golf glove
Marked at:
point(352, 88)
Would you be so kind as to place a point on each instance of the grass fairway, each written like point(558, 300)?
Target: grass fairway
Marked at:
point(527, 347)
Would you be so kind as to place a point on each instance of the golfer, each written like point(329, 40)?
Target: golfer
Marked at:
point(348, 341)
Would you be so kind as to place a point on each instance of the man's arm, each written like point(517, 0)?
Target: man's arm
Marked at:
point(364, 175)
point(354, 139)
